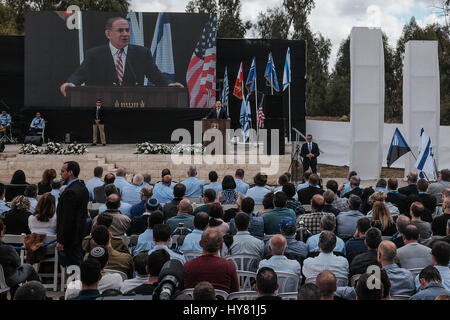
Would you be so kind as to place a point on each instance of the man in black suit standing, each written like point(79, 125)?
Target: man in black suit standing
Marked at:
point(309, 153)
point(99, 118)
point(71, 215)
point(118, 63)
point(217, 112)
point(411, 188)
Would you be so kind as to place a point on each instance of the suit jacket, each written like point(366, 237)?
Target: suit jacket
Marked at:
point(101, 114)
point(314, 150)
point(72, 214)
point(399, 200)
point(409, 189)
point(305, 195)
point(356, 191)
point(212, 114)
point(429, 203)
point(98, 68)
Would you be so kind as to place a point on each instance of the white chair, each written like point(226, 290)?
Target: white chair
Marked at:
point(400, 297)
point(195, 200)
point(258, 207)
point(243, 295)
point(245, 280)
point(189, 255)
point(225, 207)
point(415, 271)
point(288, 295)
point(94, 205)
point(287, 282)
point(3, 286)
point(16, 240)
point(122, 274)
point(245, 262)
point(50, 256)
point(219, 293)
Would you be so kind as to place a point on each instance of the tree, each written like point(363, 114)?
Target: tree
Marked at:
point(7, 21)
point(273, 24)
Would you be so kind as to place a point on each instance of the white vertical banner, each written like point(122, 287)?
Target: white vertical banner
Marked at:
point(421, 96)
point(366, 102)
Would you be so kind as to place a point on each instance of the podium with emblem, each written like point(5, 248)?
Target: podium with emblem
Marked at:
point(222, 125)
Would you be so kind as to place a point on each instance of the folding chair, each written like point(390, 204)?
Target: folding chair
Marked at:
point(223, 295)
point(400, 297)
point(3, 286)
point(246, 280)
point(245, 262)
point(189, 255)
point(415, 271)
point(122, 274)
point(243, 295)
point(51, 256)
point(287, 282)
point(15, 239)
point(288, 295)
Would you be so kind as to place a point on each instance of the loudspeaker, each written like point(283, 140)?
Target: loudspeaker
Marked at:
point(36, 140)
point(273, 106)
point(2, 146)
point(270, 124)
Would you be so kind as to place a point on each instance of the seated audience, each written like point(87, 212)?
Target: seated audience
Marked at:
point(340, 204)
point(209, 265)
point(45, 185)
point(381, 197)
point(327, 223)
point(121, 223)
point(214, 185)
point(291, 203)
point(439, 223)
point(381, 185)
point(44, 219)
point(241, 186)
point(17, 179)
point(329, 198)
point(145, 240)
point(31, 193)
point(131, 193)
point(121, 179)
point(326, 259)
point(436, 189)
point(282, 180)
point(161, 237)
point(413, 254)
point(309, 291)
point(347, 220)
point(243, 242)
point(428, 201)
point(382, 219)
point(95, 182)
point(192, 240)
point(411, 188)
point(194, 186)
point(90, 275)
point(356, 244)
point(170, 209)
point(118, 243)
point(430, 285)
point(364, 292)
point(363, 260)
point(56, 186)
point(306, 194)
point(204, 290)
point(266, 284)
point(260, 189)
point(184, 216)
point(327, 284)
point(402, 281)
point(99, 193)
point(216, 219)
point(141, 274)
point(305, 181)
point(366, 201)
point(416, 212)
point(401, 224)
point(164, 190)
point(355, 188)
point(209, 197)
point(267, 204)
point(396, 198)
point(124, 208)
point(147, 180)
point(16, 219)
point(139, 224)
point(273, 218)
point(256, 228)
point(139, 208)
point(31, 291)
point(440, 253)
point(312, 220)
point(343, 189)
point(3, 205)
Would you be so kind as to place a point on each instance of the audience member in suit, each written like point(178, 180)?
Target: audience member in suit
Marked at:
point(217, 112)
point(16, 219)
point(98, 116)
point(139, 223)
point(416, 212)
point(339, 203)
point(309, 153)
point(413, 254)
point(363, 260)
point(439, 224)
point(347, 221)
point(401, 224)
point(436, 189)
point(99, 192)
point(356, 244)
point(366, 205)
point(305, 195)
point(171, 209)
point(396, 198)
point(428, 201)
point(71, 215)
point(411, 188)
point(355, 182)
point(329, 196)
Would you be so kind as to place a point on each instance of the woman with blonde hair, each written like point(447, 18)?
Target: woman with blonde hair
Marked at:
point(382, 219)
point(16, 219)
point(46, 183)
point(44, 219)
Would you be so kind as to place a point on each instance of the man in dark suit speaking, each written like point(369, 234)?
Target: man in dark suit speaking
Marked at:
point(309, 153)
point(118, 63)
point(217, 112)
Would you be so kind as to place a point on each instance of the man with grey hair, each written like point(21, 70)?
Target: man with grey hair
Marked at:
point(121, 223)
point(402, 281)
point(138, 209)
point(279, 262)
point(329, 196)
point(124, 208)
point(436, 189)
point(184, 216)
point(194, 186)
point(355, 182)
point(346, 221)
point(401, 224)
point(121, 179)
point(327, 223)
point(132, 192)
point(326, 259)
point(411, 188)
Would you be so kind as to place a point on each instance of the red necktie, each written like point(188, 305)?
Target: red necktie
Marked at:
point(119, 66)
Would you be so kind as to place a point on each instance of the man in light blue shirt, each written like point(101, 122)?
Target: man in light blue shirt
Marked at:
point(145, 240)
point(243, 242)
point(381, 185)
point(441, 257)
point(260, 189)
point(216, 186)
point(327, 223)
point(132, 192)
point(305, 181)
point(31, 192)
point(346, 221)
point(194, 186)
point(37, 125)
point(96, 181)
point(3, 206)
point(5, 121)
point(241, 186)
point(192, 240)
point(161, 236)
point(121, 182)
point(124, 208)
point(147, 180)
point(402, 281)
point(163, 190)
point(326, 259)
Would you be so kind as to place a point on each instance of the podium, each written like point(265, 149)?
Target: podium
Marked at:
point(129, 97)
point(220, 124)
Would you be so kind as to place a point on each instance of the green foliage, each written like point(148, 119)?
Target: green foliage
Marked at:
point(273, 24)
point(7, 21)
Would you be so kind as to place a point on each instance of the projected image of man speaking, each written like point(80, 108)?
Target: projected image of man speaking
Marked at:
point(117, 64)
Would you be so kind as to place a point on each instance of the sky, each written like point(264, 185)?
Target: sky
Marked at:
point(333, 18)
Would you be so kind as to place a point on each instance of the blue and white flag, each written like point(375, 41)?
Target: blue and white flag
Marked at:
point(397, 149)
point(287, 70)
point(251, 78)
point(225, 92)
point(245, 117)
point(425, 157)
point(136, 28)
point(162, 46)
point(271, 75)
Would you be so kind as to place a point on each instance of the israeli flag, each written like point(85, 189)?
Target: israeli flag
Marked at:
point(425, 158)
point(161, 48)
point(271, 75)
point(251, 78)
point(136, 28)
point(287, 70)
point(245, 117)
point(225, 92)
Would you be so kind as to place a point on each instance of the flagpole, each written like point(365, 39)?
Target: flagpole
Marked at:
point(290, 125)
point(256, 108)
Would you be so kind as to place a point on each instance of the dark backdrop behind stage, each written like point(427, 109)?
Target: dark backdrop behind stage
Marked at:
point(156, 125)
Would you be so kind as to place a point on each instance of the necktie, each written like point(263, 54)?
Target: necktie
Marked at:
point(119, 66)
point(218, 112)
point(309, 147)
point(96, 114)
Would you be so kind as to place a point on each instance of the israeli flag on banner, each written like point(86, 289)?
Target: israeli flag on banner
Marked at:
point(287, 70)
point(245, 117)
point(425, 157)
point(271, 75)
point(251, 78)
point(136, 28)
point(162, 46)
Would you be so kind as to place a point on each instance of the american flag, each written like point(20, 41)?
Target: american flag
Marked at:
point(260, 115)
point(201, 72)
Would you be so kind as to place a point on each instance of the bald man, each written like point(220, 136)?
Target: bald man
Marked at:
point(184, 216)
point(312, 220)
point(163, 190)
point(326, 281)
point(402, 281)
point(278, 261)
point(121, 179)
point(121, 223)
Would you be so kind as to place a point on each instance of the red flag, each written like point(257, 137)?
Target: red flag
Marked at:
point(237, 92)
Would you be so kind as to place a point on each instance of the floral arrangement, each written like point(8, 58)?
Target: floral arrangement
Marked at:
point(75, 148)
point(53, 148)
point(159, 148)
point(29, 149)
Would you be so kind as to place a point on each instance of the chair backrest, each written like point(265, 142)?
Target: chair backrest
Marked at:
point(245, 262)
point(122, 274)
point(386, 237)
point(287, 282)
point(246, 280)
point(3, 286)
point(288, 295)
point(243, 295)
point(220, 294)
point(195, 200)
point(13, 238)
point(415, 271)
point(353, 279)
point(258, 207)
point(225, 207)
point(189, 255)
point(341, 282)
point(307, 208)
point(400, 297)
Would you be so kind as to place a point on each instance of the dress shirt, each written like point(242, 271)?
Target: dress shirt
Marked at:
point(217, 187)
point(256, 227)
point(163, 193)
point(436, 189)
point(302, 186)
point(241, 186)
point(121, 182)
point(131, 194)
point(173, 254)
point(120, 224)
point(39, 122)
point(130, 284)
point(55, 193)
point(313, 244)
point(137, 209)
point(185, 218)
point(293, 247)
point(431, 292)
point(194, 187)
point(402, 280)
point(244, 243)
point(312, 221)
point(381, 189)
point(145, 242)
point(341, 204)
point(33, 204)
point(281, 264)
point(125, 208)
point(192, 241)
point(273, 218)
point(5, 120)
point(93, 183)
point(336, 264)
point(414, 255)
point(115, 52)
point(346, 222)
point(257, 193)
point(353, 247)
point(445, 275)
point(3, 207)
